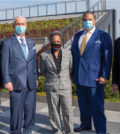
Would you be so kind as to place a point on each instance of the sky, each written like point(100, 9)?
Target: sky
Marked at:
point(115, 4)
point(37, 10)
point(19, 3)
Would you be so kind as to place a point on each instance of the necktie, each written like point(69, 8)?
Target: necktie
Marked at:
point(83, 43)
point(24, 48)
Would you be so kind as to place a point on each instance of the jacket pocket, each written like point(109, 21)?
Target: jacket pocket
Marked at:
point(94, 67)
point(94, 71)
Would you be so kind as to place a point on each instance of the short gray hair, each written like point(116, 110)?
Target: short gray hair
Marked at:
point(55, 33)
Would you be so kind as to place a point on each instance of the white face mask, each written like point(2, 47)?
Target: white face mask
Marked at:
point(88, 24)
point(20, 29)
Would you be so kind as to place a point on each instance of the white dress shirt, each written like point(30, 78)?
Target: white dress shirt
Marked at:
point(82, 36)
point(18, 38)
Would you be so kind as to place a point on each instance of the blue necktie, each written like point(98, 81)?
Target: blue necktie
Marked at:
point(24, 48)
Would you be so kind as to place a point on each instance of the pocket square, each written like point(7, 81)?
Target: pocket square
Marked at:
point(34, 48)
point(98, 41)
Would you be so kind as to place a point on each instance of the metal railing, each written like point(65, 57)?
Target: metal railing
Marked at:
point(69, 31)
point(99, 8)
point(57, 8)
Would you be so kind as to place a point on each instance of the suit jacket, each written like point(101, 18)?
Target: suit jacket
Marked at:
point(15, 68)
point(55, 80)
point(116, 63)
point(96, 59)
point(1, 83)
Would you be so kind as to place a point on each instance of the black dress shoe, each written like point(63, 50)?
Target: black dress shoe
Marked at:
point(79, 129)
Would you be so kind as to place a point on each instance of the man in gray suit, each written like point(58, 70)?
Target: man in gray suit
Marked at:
point(19, 72)
point(56, 65)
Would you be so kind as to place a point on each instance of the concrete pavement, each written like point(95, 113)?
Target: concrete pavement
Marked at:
point(42, 125)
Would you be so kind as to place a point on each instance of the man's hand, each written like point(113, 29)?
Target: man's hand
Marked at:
point(101, 80)
point(114, 88)
point(9, 86)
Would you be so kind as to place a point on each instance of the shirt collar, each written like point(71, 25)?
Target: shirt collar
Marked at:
point(91, 31)
point(18, 37)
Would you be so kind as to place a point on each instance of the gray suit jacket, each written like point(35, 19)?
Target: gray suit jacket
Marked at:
point(55, 80)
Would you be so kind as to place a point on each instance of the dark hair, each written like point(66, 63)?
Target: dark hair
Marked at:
point(56, 33)
point(88, 12)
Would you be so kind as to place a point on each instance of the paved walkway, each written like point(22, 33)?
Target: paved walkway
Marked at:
point(42, 125)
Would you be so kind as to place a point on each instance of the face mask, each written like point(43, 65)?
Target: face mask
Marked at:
point(88, 24)
point(20, 29)
point(55, 47)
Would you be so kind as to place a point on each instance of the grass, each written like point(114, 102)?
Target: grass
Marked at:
point(114, 99)
point(4, 90)
point(41, 93)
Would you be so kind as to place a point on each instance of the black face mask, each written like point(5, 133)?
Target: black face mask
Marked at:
point(55, 47)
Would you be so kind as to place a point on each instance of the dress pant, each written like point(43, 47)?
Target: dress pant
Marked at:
point(91, 104)
point(22, 107)
point(60, 100)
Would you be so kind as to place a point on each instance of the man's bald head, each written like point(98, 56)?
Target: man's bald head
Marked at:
point(18, 18)
point(20, 25)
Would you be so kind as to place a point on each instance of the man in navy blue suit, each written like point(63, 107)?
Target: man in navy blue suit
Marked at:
point(19, 72)
point(1, 85)
point(92, 56)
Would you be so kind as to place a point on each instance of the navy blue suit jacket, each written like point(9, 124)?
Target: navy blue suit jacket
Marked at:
point(1, 83)
point(96, 59)
point(15, 68)
point(116, 64)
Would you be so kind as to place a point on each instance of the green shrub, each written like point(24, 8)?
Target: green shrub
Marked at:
point(109, 96)
point(41, 82)
point(36, 28)
point(108, 92)
point(73, 89)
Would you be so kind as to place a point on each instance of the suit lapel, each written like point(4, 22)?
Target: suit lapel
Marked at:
point(30, 46)
point(63, 57)
point(90, 43)
point(78, 48)
point(51, 60)
point(17, 44)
